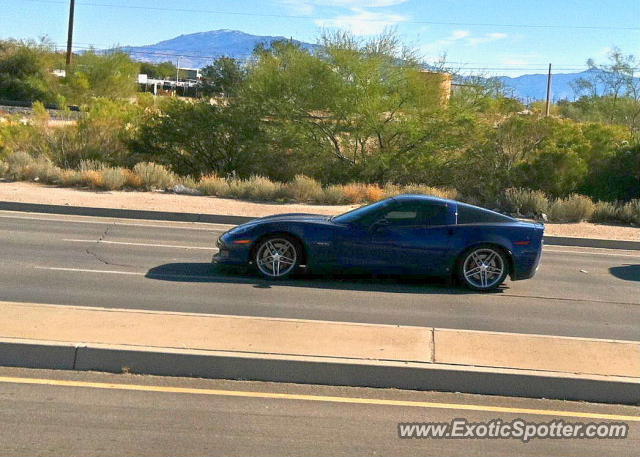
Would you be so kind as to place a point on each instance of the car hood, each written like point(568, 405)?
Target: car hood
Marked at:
point(293, 217)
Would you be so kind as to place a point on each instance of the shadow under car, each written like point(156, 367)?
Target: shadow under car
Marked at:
point(211, 273)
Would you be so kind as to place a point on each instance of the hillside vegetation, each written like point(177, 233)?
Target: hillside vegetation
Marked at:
point(355, 121)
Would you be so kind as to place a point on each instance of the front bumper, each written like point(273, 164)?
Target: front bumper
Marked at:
point(230, 254)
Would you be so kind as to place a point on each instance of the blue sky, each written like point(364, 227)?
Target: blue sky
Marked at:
point(477, 35)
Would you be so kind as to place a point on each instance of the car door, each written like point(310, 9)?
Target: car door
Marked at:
point(406, 237)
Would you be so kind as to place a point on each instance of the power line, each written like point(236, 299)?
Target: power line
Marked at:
point(463, 66)
point(286, 16)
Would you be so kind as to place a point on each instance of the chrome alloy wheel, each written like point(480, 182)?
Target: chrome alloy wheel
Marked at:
point(484, 268)
point(276, 257)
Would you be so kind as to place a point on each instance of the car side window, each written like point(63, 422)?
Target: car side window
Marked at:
point(436, 214)
point(404, 214)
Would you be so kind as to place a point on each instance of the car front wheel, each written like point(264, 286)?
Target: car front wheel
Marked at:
point(483, 268)
point(277, 256)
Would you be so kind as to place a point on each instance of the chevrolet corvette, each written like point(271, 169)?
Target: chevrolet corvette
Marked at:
point(402, 235)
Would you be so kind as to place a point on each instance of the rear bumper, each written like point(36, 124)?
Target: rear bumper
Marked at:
point(525, 264)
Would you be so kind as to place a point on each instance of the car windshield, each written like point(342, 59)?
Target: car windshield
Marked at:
point(359, 213)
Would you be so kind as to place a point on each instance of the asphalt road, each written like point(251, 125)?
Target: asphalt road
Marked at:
point(75, 260)
point(99, 414)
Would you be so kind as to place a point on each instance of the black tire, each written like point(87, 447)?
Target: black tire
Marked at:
point(277, 256)
point(483, 268)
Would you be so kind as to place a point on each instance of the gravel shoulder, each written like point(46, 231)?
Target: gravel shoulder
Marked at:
point(24, 192)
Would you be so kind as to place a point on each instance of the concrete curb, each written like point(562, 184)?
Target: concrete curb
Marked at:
point(235, 220)
point(316, 370)
point(123, 213)
point(591, 243)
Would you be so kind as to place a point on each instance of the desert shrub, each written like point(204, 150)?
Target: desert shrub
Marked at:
point(391, 190)
point(525, 201)
point(189, 182)
point(43, 170)
point(73, 178)
point(91, 165)
point(113, 178)
point(154, 176)
point(17, 164)
point(333, 195)
point(354, 192)
point(574, 208)
point(3, 168)
point(132, 180)
point(630, 212)
point(303, 189)
point(238, 188)
point(93, 178)
point(605, 212)
point(213, 185)
point(373, 193)
point(428, 190)
point(263, 189)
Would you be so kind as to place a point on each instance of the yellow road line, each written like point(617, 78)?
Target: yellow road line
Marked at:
point(318, 398)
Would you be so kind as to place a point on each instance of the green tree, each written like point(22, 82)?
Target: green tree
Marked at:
point(199, 138)
point(611, 92)
point(351, 103)
point(25, 72)
point(223, 77)
point(164, 70)
point(111, 75)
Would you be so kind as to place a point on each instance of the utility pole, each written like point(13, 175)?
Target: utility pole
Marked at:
point(548, 107)
point(177, 75)
point(72, 8)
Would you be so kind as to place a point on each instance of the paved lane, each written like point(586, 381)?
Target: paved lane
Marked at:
point(165, 266)
point(214, 417)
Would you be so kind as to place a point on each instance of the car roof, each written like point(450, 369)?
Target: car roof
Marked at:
point(423, 197)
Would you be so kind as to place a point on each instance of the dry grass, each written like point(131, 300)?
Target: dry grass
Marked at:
point(526, 202)
point(574, 208)
point(605, 212)
point(154, 176)
point(132, 180)
point(147, 175)
point(73, 178)
point(113, 178)
point(303, 189)
point(334, 195)
point(630, 212)
point(93, 178)
point(213, 185)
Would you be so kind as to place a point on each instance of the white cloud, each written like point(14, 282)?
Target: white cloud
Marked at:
point(458, 35)
point(487, 38)
point(308, 7)
point(363, 22)
point(361, 3)
point(461, 37)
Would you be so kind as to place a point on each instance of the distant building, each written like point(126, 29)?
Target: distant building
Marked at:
point(440, 83)
point(190, 74)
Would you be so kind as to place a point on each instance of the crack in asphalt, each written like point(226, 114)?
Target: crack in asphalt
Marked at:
point(102, 259)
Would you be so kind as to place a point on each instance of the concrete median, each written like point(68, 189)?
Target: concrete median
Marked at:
point(302, 351)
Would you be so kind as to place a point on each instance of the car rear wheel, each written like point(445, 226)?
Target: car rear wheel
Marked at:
point(277, 256)
point(483, 268)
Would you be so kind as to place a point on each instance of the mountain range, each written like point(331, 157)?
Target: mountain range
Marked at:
point(197, 50)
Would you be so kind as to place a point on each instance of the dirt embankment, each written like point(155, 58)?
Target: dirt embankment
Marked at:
point(162, 201)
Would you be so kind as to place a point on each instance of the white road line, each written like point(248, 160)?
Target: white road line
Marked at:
point(612, 254)
point(130, 273)
point(203, 226)
point(83, 270)
point(143, 244)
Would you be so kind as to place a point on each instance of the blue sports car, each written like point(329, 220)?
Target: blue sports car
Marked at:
point(404, 235)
